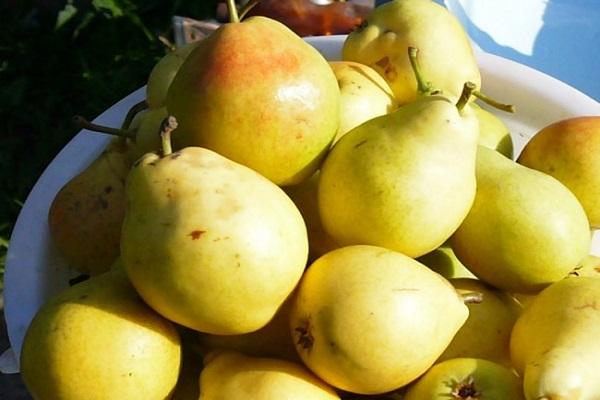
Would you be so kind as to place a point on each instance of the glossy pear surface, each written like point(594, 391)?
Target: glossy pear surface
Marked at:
point(404, 180)
point(98, 339)
point(445, 53)
point(364, 94)
point(209, 243)
point(258, 94)
point(554, 344)
point(525, 229)
point(369, 320)
point(233, 376)
point(466, 379)
point(568, 150)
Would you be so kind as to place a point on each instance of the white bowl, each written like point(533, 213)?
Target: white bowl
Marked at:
point(35, 271)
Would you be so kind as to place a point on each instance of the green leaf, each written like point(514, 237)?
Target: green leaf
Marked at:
point(108, 5)
point(65, 15)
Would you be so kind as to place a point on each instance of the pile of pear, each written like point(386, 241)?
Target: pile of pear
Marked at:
point(270, 225)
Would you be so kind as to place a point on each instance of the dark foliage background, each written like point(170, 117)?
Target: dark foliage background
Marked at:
point(61, 58)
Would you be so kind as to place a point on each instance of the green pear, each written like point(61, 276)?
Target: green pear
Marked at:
point(568, 150)
point(393, 180)
point(443, 261)
point(145, 128)
point(493, 133)
point(209, 243)
point(86, 214)
point(369, 320)
point(554, 344)
point(447, 56)
point(525, 229)
point(258, 94)
point(305, 196)
point(162, 75)
point(99, 340)
point(486, 333)
point(233, 376)
point(466, 379)
point(364, 95)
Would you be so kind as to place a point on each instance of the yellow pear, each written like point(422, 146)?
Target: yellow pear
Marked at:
point(466, 379)
point(369, 320)
point(233, 376)
point(209, 243)
point(554, 344)
point(364, 94)
point(99, 340)
point(486, 333)
point(446, 55)
point(86, 214)
point(162, 75)
point(568, 150)
point(258, 94)
point(272, 340)
point(493, 132)
point(145, 127)
point(590, 266)
point(305, 196)
point(525, 229)
point(405, 180)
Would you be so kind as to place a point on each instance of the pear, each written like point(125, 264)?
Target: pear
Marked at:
point(447, 56)
point(364, 94)
point(568, 150)
point(525, 229)
point(272, 340)
point(86, 214)
point(486, 333)
point(554, 344)
point(209, 243)
point(162, 75)
point(233, 376)
point(369, 320)
point(99, 340)
point(305, 196)
point(590, 266)
point(493, 132)
point(443, 261)
point(404, 180)
point(258, 94)
point(467, 379)
point(145, 128)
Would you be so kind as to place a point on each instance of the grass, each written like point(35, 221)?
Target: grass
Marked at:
point(61, 58)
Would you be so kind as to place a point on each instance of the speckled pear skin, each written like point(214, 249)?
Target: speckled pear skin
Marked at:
point(210, 243)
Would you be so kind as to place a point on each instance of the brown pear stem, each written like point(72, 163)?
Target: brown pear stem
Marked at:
point(247, 7)
point(500, 106)
point(83, 123)
point(472, 297)
point(133, 111)
point(423, 86)
point(233, 12)
point(167, 126)
point(468, 89)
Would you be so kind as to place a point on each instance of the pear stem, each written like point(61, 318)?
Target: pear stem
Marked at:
point(472, 297)
point(133, 111)
point(468, 89)
point(82, 123)
point(500, 106)
point(167, 126)
point(422, 86)
point(233, 12)
point(247, 7)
